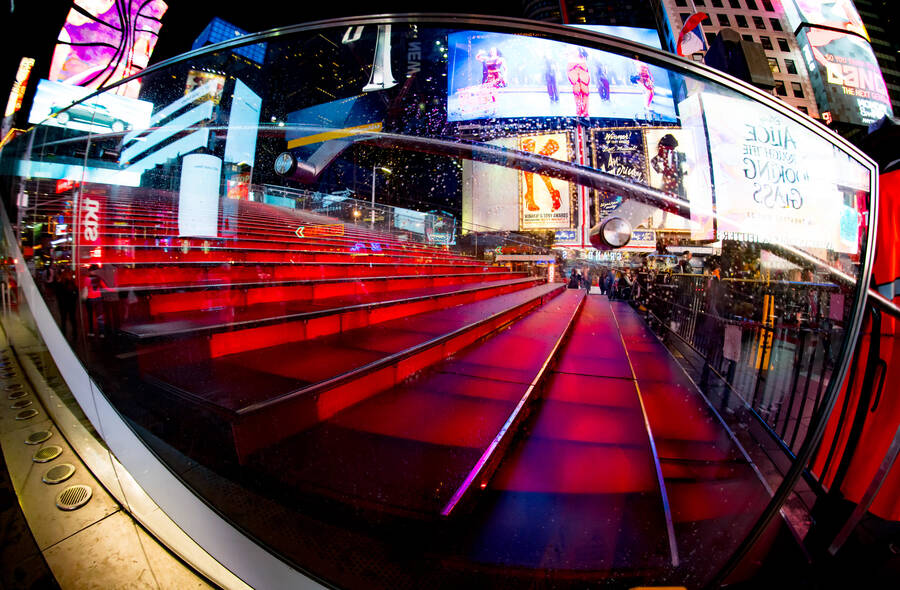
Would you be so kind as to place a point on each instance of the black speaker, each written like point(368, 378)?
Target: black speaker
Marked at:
point(742, 59)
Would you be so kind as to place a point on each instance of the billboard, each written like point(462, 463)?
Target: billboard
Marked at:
point(103, 42)
point(17, 92)
point(490, 193)
point(672, 165)
point(545, 202)
point(775, 179)
point(845, 76)
point(498, 75)
point(836, 14)
point(243, 125)
point(103, 113)
point(196, 79)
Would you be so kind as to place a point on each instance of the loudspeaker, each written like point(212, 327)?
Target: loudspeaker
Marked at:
point(745, 60)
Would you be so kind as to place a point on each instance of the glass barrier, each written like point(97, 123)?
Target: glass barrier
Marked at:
point(427, 303)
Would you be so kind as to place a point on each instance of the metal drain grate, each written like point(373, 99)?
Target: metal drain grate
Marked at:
point(58, 474)
point(22, 403)
point(13, 387)
point(7, 374)
point(73, 497)
point(36, 438)
point(17, 394)
point(27, 414)
point(47, 454)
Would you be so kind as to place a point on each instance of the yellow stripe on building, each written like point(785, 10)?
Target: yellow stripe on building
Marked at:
point(338, 134)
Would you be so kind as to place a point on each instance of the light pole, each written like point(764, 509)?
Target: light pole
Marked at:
point(386, 171)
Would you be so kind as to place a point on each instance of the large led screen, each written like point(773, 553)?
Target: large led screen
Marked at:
point(845, 76)
point(103, 113)
point(496, 75)
point(775, 180)
point(104, 41)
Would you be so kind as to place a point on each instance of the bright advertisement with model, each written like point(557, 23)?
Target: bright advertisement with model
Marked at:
point(545, 201)
point(103, 113)
point(495, 75)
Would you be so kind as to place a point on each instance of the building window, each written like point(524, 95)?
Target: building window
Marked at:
point(723, 20)
point(697, 57)
point(776, 24)
point(766, 43)
point(699, 3)
point(710, 37)
point(780, 90)
point(751, 4)
point(783, 45)
point(717, 3)
point(747, 38)
point(803, 110)
point(680, 2)
point(707, 21)
point(758, 22)
point(797, 89)
point(768, 5)
point(741, 20)
point(789, 66)
point(735, 3)
point(773, 65)
point(684, 16)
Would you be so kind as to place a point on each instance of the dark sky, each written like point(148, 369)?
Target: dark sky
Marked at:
point(30, 27)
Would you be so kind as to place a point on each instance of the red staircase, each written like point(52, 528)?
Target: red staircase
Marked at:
point(552, 429)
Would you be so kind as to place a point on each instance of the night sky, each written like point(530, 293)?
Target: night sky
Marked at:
point(30, 27)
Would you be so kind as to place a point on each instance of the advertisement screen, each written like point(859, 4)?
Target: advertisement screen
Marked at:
point(775, 180)
point(103, 113)
point(545, 202)
point(196, 79)
point(243, 125)
point(490, 193)
point(837, 14)
point(497, 75)
point(672, 167)
point(18, 89)
point(104, 42)
point(845, 76)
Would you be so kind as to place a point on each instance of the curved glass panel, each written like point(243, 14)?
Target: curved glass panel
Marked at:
point(417, 303)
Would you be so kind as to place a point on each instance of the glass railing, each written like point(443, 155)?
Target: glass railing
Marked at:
point(336, 294)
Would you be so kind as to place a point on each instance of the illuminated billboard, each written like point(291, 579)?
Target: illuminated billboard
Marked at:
point(545, 202)
point(665, 158)
point(837, 14)
point(197, 79)
point(103, 113)
point(845, 76)
point(497, 75)
point(104, 41)
point(775, 179)
point(17, 92)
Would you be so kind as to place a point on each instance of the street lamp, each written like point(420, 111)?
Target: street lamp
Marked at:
point(386, 171)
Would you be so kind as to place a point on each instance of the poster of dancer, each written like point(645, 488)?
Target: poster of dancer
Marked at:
point(545, 201)
point(670, 162)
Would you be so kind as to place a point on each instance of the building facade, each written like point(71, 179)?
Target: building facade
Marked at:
point(760, 21)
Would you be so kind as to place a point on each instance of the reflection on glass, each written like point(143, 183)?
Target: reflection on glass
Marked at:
point(432, 373)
